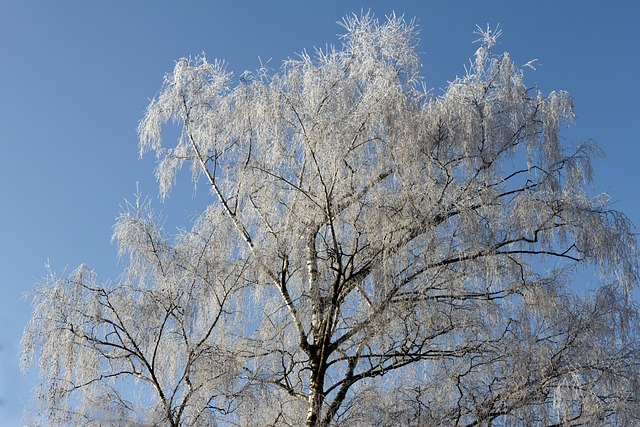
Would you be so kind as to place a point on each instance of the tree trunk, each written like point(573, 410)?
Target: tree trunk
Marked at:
point(316, 389)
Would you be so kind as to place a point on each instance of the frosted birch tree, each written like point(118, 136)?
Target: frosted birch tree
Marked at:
point(372, 255)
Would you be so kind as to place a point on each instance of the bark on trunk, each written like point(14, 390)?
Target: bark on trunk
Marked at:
point(316, 391)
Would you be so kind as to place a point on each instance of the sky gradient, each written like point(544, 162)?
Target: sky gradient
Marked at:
point(76, 77)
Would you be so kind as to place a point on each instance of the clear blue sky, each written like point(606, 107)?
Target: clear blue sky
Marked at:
point(76, 76)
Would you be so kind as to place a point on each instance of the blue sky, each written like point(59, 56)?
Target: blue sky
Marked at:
point(76, 76)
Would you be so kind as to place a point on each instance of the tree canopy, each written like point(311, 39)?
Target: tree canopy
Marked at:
point(372, 254)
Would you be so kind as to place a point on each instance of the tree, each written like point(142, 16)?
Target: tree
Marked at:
point(372, 255)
